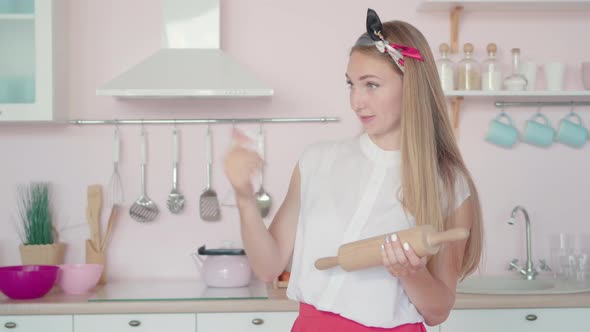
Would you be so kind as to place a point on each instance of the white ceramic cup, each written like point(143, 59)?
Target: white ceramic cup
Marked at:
point(529, 71)
point(554, 75)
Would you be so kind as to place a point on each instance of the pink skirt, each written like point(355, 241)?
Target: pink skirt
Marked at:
point(312, 320)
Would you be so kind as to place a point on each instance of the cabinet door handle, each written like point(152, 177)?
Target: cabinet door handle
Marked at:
point(258, 321)
point(531, 317)
point(10, 325)
point(134, 323)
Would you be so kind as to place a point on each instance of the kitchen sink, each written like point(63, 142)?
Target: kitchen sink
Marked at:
point(500, 284)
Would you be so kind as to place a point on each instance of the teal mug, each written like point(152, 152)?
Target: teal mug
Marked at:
point(572, 133)
point(25, 6)
point(5, 90)
point(501, 133)
point(537, 133)
point(7, 6)
point(26, 90)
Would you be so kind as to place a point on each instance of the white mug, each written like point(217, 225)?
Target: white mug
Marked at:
point(554, 75)
point(529, 71)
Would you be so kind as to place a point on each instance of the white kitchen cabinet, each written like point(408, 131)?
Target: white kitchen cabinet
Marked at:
point(135, 323)
point(30, 39)
point(36, 323)
point(246, 322)
point(521, 320)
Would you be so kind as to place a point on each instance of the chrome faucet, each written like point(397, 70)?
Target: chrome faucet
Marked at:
point(528, 271)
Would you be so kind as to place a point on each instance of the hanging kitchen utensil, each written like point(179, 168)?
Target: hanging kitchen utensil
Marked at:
point(115, 183)
point(144, 209)
point(208, 202)
point(175, 198)
point(229, 198)
point(112, 217)
point(263, 200)
point(94, 196)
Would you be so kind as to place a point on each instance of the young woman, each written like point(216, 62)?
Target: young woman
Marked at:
point(404, 170)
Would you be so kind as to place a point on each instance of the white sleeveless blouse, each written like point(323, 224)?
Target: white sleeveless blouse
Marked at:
point(349, 192)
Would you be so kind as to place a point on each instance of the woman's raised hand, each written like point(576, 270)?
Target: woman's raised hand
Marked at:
point(241, 164)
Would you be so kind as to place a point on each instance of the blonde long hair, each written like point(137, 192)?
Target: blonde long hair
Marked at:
point(429, 151)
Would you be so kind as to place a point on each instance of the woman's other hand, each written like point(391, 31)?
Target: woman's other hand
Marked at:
point(399, 258)
point(241, 164)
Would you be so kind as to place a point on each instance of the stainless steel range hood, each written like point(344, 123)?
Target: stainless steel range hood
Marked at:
point(190, 63)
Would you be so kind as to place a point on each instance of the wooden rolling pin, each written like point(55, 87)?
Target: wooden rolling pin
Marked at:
point(425, 241)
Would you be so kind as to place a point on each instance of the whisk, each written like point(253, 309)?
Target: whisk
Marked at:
point(115, 183)
point(115, 196)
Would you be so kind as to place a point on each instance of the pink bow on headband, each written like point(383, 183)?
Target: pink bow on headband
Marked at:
point(398, 52)
point(410, 52)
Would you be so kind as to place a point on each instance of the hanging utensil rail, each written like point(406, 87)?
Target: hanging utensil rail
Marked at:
point(201, 121)
point(502, 104)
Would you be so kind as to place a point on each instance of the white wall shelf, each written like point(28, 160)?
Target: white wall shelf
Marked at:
point(455, 8)
point(505, 5)
point(573, 95)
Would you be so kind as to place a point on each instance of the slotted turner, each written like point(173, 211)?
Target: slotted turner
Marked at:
point(208, 202)
point(144, 209)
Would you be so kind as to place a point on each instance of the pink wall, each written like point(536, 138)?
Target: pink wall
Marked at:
point(302, 53)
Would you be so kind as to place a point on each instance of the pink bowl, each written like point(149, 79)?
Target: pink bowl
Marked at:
point(79, 278)
point(27, 281)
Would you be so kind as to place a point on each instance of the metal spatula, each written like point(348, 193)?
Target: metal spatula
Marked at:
point(208, 202)
point(144, 209)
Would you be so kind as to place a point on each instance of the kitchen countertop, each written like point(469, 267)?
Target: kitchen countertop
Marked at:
point(58, 303)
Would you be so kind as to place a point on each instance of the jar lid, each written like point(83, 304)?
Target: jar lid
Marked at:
point(222, 251)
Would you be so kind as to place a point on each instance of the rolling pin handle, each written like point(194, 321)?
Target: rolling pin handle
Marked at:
point(326, 263)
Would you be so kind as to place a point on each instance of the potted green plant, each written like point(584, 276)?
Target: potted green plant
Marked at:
point(40, 239)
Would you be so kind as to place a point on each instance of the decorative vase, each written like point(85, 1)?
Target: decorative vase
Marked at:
point(42, 254)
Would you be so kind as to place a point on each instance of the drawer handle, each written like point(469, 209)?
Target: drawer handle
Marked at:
point(258, 321)
point(531, 317)
point(134, 323)
point(10, 325)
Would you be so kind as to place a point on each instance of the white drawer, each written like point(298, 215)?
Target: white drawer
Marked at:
point(36, 323)
point(522, 320)
point(246, 322)
point(135, 323)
